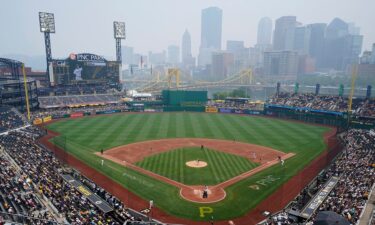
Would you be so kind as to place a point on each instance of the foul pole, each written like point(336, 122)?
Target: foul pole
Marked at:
point(26, 92)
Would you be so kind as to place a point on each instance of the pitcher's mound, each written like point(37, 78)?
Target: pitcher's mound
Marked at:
point(196, 164)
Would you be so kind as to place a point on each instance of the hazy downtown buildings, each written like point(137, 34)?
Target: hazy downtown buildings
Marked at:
point(157, 58)
point(264, 42)
point(366, 67)
point(127, 55)
point(302, 36)
point(284, 33)
point(316, 46)
point(264, 35)
point(173, 54)
point(188, 61)
point(186, 46)
point(281, 64)
point(211, 28)
point(211, 32)
point(221, 64)
point(366, 57)
point(341, 48)
point(240, 55)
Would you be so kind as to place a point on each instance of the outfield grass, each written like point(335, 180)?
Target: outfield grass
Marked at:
point(82, 137)
point(220, 167)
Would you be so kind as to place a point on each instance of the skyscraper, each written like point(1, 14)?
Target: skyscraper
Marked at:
point(211, 30)
point(157, 58)
point(235, 46)
point(283, 38)
point(240, 55)
point(173, 54)
point(127, 55)
point(221, 63)
point(264, 31)
point(186, 46)
point(188, 61)
point(337, 29)
point(302, 36)
point(341, 48)
point(316, 48)
point(283, 64)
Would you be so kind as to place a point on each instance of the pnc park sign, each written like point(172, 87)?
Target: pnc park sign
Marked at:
point(87, 57)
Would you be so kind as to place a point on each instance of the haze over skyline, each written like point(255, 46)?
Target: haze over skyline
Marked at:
point(87, 26)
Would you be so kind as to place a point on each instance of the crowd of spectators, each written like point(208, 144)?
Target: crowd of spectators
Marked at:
point(17, 196)
point(362, 107)
point(355, 168)
point(367, 109)
point(236, 103)
point(85, 109)
point(309, 100)
point(10, 119)
point(41, 170)
point(76, 89)
point(74, 100)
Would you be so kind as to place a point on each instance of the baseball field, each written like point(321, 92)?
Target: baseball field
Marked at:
point(149, 154)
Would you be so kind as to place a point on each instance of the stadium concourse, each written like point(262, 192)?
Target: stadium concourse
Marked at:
point(34, 188)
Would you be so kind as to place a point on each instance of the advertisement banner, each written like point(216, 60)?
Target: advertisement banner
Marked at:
point(225, 110)
point(37, 121)
point(108, 111)
point(57, 116)
point(46, 119)
point(211, 109)
point(252, 112)
point(238, 111)
point(76, 115)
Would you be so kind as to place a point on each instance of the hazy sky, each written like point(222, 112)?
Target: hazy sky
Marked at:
point(86, 25)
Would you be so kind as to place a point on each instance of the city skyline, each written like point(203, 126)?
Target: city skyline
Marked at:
point(75, 23)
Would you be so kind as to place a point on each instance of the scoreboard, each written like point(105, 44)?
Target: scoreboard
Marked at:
point(85, 68)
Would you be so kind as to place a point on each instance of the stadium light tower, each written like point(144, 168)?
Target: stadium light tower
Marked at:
point(119, 33)
point(47, 26)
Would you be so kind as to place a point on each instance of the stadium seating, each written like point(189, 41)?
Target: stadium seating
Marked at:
point(40, 170)
point(356, 172)
point(362, 107)
point(74, 100)
point(10, 119)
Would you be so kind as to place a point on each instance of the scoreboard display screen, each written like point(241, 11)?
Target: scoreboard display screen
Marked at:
point(90, 67)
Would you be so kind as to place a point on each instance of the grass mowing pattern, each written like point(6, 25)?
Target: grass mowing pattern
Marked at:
point(221, 166)
point(84, 136)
